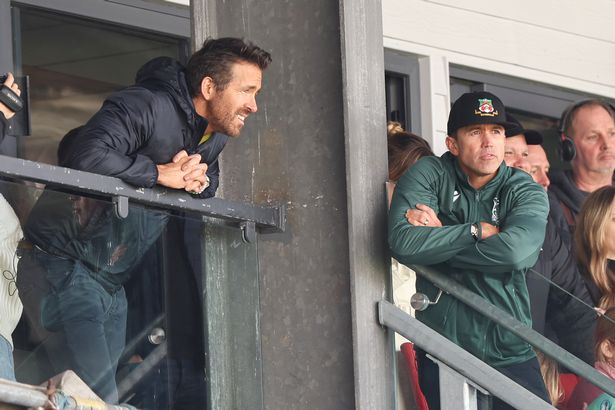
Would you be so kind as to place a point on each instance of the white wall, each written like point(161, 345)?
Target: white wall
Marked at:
point(565, 43)
point(561, 42)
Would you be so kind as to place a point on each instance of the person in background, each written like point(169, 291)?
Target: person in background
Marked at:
point(588, 142)
point(404, 149)
point(10, 235)
point(537, 157)
point(559, 300)
point(594, 245)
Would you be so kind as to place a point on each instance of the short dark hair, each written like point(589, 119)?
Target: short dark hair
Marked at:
point(216, 58)
point(567, 118)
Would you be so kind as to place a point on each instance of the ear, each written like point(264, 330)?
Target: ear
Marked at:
point(208, 88)
point(451, 144)
point(605, 349)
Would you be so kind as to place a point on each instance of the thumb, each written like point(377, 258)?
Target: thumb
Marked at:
point(181, 154)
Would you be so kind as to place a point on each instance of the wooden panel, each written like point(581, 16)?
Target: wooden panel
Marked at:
point(500, 45)
point(593, 19)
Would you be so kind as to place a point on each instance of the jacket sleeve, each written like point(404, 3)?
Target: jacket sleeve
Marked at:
point(213, 173)
point(522, 232)
point(556, 214)
point(417, 244)
point(109, 141)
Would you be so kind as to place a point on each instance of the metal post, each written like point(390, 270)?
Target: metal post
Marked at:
point(455, 390)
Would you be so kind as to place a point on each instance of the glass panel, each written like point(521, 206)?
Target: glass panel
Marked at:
point(73, 64)
point(138, 308)
point(232, 320)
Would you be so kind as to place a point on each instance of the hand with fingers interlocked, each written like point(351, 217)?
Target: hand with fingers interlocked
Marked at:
point(184, 172)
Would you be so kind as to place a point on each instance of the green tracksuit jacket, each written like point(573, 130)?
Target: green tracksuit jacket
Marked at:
point(493, 268)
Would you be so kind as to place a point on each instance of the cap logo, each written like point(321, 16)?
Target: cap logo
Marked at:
point(485, 108)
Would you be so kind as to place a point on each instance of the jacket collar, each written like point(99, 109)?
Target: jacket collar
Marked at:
point(502, 174)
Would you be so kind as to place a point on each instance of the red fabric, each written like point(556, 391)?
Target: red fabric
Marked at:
point(569, 382)
point(408, 351)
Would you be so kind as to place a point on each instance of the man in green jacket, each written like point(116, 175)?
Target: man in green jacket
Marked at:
point(470, 216)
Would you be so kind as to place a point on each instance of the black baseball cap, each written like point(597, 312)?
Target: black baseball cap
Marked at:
point(516, 129)
point(531, 137)
point(479, 107)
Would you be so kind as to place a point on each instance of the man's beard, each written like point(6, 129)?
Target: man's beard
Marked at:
point(222, 121)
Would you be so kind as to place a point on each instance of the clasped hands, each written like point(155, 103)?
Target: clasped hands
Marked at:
point(423, 215)
point(184, 172)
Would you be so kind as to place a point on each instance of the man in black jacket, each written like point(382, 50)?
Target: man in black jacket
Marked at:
point(169, 129)
point(173, 123)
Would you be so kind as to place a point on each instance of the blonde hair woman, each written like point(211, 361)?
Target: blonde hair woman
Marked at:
point(594, 243)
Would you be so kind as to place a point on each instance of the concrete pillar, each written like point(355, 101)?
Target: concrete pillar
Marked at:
point(317, 145)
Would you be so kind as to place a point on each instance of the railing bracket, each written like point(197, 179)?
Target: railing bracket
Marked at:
point(248, 231)
point(121, 206)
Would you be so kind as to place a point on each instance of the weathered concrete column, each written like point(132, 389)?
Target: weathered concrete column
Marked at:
point(317, 145)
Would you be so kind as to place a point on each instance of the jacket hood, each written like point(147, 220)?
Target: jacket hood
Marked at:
point(564, 188)
point(165, 73)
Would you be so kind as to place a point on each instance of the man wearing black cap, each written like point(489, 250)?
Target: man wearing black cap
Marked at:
point(482, 223)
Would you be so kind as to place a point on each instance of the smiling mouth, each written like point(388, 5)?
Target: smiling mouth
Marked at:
point(242, 118)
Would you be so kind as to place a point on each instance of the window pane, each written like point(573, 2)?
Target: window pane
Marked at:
point(73, 64)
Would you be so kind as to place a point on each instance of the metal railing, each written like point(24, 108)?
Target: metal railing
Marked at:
point(408, 327)
point(266, 219)
point(458, 360)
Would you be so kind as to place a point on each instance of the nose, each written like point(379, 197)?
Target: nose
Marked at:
point(486, 140)
point(543, 179)
point(251, 106)
point(607, 141)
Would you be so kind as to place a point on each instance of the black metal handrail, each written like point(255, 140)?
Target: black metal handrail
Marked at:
point(267, 219)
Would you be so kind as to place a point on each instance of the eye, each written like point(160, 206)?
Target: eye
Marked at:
point(508, 153)
point(525, 154)
point(592, 137)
